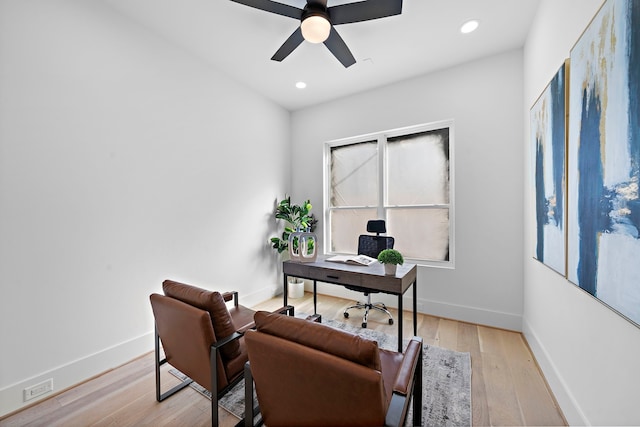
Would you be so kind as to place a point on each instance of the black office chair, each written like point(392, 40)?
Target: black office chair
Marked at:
point(371, 245)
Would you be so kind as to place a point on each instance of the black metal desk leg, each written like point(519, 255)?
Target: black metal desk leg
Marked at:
point(415, 307)
point(400, 317)
point(286, 290)
point(315, 297)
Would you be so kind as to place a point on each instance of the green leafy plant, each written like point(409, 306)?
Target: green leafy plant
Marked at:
point(296, 217)
point(390, 256)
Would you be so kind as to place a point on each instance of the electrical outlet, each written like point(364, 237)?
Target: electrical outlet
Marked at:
point(38, 389)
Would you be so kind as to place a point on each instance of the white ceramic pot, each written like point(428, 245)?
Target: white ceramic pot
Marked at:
point(295, 289)
point(390, 269)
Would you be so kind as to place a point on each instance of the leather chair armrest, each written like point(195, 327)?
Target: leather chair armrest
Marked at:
point(287, 309)
point(228, 296)
point(245, 328)
point(234, 336)
point(408, 382)
point(406, 373)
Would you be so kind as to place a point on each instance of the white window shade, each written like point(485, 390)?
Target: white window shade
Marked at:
point(347, 225)
point(354, 175)
point(426, 238)
point(418, 168)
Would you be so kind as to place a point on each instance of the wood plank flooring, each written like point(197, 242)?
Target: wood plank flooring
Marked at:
point(506, 384)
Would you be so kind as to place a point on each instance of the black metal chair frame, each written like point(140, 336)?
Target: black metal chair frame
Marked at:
point(215, 348)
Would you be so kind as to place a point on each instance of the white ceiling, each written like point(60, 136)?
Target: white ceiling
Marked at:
point(240, 40)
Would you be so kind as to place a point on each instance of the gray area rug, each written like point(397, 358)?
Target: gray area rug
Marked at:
point(446, 382)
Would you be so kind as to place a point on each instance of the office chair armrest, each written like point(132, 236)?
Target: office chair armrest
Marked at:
point(228, 296)
point(407, 371)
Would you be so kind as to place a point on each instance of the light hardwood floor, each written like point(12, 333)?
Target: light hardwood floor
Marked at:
point(507, 386)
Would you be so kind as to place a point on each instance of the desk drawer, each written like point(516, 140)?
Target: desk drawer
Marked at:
point(338, 277)
point(328, 275)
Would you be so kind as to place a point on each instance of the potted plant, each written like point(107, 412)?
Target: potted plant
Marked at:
point(296, 218)
point(390, 258)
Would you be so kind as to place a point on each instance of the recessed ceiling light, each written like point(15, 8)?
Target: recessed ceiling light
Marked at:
point(301, 85)
point(469, 26)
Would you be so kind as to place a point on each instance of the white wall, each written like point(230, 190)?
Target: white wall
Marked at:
point(484, 99)
point(588, 353)
point(123, 161)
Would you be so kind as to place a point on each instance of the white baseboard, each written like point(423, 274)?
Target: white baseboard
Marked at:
point(249, 299)
point(480, 316)
point(75, 372)
point(570, 408)
point(476, 315)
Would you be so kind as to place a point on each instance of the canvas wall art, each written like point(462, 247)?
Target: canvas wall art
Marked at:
point(603, 253)
point(548, 138)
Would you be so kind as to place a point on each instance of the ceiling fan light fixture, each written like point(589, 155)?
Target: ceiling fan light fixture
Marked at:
point(315, 28)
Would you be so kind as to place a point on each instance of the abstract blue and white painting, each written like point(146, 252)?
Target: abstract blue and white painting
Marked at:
point(604, 159)
point(547, 118)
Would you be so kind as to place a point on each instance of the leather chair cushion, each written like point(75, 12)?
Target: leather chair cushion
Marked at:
point(321, 337)
point(242, 318)
point(212, 302)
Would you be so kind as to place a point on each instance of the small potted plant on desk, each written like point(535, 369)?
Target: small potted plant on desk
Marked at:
point(390, 258)
point(296, 218)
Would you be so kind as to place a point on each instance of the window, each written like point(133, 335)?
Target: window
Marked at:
point(403, 176)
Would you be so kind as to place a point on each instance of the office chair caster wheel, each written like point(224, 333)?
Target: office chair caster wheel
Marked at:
point(364, 325)
point(346, 315)
point(391, 321)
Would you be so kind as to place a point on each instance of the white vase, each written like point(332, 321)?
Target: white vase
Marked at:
point(390, 269)
point(306, 244)
point(295, 288)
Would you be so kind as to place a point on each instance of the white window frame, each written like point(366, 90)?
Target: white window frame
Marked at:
point(381, 138)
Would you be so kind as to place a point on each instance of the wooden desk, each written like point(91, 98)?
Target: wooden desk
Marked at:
point(370, 277)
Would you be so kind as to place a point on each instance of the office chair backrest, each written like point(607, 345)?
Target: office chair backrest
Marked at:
point(376, 226)
point(371, 245)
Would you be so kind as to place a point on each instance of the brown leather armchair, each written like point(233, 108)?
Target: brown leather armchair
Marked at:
point(202, 338)
point(309, 374)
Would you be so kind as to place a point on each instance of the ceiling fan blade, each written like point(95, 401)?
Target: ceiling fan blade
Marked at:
point(273, 7)
point(339, 48)
point(320, 3)
point(289, 45)
point(364, 11)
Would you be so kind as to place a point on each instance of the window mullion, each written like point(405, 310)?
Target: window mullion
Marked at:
point(382, 177)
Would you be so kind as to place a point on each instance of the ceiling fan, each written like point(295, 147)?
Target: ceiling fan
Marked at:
point(317, 22)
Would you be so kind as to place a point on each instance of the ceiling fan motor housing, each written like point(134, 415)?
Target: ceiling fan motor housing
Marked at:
point(314, 9)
